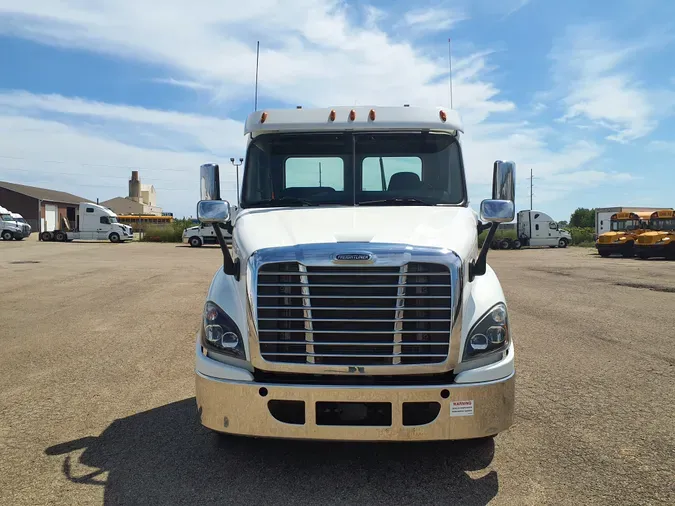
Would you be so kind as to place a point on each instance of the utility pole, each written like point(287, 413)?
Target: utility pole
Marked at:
point(319, 174)
point(450, 69)
point(233, 162)
point(531, 188)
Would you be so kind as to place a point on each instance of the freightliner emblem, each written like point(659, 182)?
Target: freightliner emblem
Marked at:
point(353, 257)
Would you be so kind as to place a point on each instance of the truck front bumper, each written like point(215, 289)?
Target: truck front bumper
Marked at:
point(654, 250)
point(465, 410)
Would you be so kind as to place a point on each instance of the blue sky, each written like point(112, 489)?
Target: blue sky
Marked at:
point(582, 93)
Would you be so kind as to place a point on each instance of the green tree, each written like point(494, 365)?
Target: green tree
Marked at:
point(562, 223)
point(583, 217)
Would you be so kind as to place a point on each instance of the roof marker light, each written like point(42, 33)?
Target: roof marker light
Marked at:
point(352, 115)
point(263, 117)
point(443, 116)
point(331, 116)
point(371, 115)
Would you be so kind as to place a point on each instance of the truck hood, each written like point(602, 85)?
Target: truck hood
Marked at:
point(453, 228)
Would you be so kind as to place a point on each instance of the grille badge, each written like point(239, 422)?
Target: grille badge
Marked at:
point(356, 257)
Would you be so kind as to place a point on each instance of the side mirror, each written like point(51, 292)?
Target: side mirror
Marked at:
point(213, 211)
point(504, 181)
point(497, 211)
point(209, 177)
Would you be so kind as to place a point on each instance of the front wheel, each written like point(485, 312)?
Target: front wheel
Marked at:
point(114, 237)
point(6, 235)
point(562, 243)
point(195, 242)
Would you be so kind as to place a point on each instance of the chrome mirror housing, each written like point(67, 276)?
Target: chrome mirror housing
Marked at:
point(209, 179)
point(497, 211)
point(213, 211)
point(504, 181)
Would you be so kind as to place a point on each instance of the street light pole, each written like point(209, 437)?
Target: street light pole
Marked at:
point(233, 162)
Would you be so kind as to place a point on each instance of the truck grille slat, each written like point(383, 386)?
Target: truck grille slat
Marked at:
point(322, 315)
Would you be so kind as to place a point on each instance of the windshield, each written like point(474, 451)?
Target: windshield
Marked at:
point(112, 219)
point(411, 168)
point(662, 224)
point(625, 225)
point(6, 217)
point(20, 220)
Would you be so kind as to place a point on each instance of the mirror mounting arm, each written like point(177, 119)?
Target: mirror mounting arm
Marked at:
point(230, 267)
point(479, 266)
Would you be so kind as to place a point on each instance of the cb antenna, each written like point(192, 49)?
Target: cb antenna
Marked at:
point(450, 68)
point(257, 62)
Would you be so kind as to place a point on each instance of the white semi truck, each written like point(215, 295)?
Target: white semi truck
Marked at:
point(26, 228)
point(94, 222)
point(10, 228)
point(535, 229)
point(348, 308)
point(204, 234)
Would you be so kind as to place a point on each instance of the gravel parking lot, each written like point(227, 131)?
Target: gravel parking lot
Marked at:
point(97, 391)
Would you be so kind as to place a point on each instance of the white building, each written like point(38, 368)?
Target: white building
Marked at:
point(142, 199)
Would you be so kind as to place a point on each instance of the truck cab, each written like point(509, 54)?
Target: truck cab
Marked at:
point(26, 228)
point(536, 228)
point(624, 231)
point(659, 240)
point(204, 234)
point(9, 228)
point(354, 303)
point(94, 222)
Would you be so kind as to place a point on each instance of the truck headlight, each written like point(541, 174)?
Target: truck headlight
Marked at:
point(220, 333)
point(489, 335)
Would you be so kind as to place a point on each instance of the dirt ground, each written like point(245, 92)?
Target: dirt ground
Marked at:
point(97, 391)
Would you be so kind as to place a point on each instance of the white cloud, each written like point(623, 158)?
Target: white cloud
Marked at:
point(594, 74)
point(434, 19)
point(312, 53)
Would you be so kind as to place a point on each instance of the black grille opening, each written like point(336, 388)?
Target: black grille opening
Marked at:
point(292, 412)
point(420, 413)
point(358, 414)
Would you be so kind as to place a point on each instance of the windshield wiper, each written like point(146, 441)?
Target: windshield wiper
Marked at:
point(281, 202)
point(401, 201)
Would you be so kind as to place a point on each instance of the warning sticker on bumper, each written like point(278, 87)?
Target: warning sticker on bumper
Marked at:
point(461, 408)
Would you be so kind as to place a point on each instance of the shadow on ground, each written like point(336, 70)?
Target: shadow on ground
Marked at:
point(164, 456)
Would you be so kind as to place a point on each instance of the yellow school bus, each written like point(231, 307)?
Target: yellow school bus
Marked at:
point(659, 241)
point(139, 222)
point(624, 230)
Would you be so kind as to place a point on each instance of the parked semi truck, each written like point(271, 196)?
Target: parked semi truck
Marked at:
point(659, 240)
point(9, 228)
point(204, 234)
point(94, 222)
point(535, 229)
point(26, 228)
point(345, 312)
point(624, 231)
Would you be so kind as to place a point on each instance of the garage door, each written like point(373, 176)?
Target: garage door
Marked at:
point(50, 217)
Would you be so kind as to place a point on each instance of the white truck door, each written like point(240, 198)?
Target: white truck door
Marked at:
point(51, 212)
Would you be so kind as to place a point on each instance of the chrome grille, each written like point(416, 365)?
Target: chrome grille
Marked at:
point(354, 315)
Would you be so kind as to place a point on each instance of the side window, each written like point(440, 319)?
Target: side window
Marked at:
point(90, 209)
point(536, 216)
point(105, 220)
point(536, 227)
point(302, 172)
point(602, 223)
point(378, 172)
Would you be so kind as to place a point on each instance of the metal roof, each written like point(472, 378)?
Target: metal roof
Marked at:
point(43, 193)
point(323, 119)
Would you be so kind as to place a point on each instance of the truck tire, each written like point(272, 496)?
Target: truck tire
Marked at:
point(60, 237)
point(195, 241)
point(516, 244)
point(46, 236)
point(505, 244)
point(114, 237)
point(562, 243)
point(6, 235)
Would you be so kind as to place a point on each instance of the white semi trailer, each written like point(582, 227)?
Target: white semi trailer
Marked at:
point(95, 222)
point(348, 308)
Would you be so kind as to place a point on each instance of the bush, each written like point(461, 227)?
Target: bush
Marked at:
point(173, 232)
point(582, 236)
point(499, 235)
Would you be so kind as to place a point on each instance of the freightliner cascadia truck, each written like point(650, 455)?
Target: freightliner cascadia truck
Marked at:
point(354, 302)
